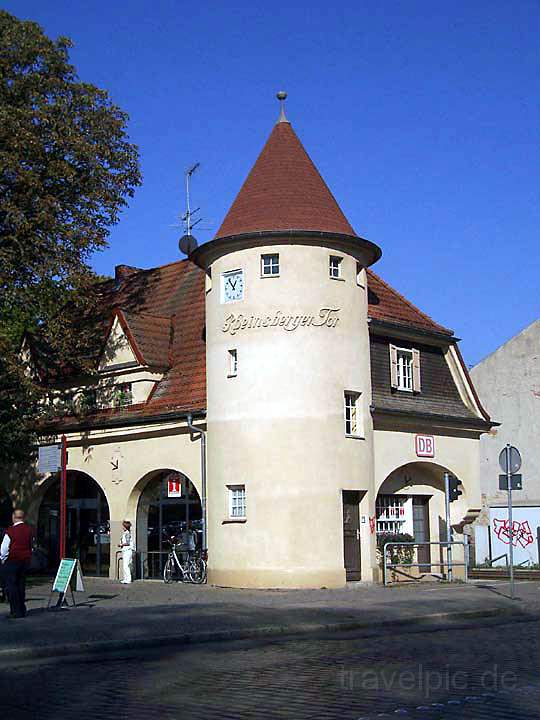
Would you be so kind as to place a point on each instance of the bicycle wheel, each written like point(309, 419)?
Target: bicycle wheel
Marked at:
point(197, 570)
point(168, 570)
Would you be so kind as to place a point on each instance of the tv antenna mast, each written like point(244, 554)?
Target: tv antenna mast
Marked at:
point(188, 243)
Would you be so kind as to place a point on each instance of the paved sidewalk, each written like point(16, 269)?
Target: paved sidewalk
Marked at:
point(113, 616)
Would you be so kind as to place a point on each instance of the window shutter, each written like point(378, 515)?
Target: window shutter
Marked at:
point(393, 366)
point(417, 385)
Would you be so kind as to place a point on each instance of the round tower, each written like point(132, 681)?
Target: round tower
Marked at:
point(288, 378)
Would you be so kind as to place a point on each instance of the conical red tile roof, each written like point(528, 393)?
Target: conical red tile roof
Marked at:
point(284, 191)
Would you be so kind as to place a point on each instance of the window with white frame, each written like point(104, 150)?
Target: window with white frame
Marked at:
point(353, 415)
point(405, 369)
point(335, 267)
point(390, 513)
point(237, 502)
point(360, 274)
point(270, 265)
point(233, 363)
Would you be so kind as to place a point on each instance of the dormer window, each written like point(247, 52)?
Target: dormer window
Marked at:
point(405, 369)
point(88, 400)
point(123, 395)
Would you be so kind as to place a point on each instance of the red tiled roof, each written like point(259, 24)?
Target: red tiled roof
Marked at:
point(284, 191)
point(152, 337)
point(385, 303)
point(178, 290)
point(165, 312)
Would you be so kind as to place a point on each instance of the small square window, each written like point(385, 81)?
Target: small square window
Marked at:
point(335, 267)
point(237, 501)
point(353, 415)
point(270, 265)
point(233, 363)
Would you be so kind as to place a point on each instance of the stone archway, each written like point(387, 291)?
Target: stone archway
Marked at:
point(88, 523)
point(161, 515)
point(411, 502)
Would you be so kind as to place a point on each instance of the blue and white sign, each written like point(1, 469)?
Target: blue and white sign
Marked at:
point(49, 458)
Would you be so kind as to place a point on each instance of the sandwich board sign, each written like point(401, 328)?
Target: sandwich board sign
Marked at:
point(68, 577)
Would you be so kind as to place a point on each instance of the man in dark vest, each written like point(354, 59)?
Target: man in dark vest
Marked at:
point(15, 554)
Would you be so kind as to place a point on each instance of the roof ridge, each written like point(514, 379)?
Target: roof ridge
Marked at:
point(369, 271)
point(158, 267)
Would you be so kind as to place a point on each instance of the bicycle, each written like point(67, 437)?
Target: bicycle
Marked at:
point(193, 569)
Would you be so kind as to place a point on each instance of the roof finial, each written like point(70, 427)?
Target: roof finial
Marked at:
point(282, 96)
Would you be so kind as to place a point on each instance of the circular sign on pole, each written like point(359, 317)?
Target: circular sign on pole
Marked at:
point(510, 461)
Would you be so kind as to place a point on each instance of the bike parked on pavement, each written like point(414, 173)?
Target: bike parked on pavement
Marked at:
point(184, 564)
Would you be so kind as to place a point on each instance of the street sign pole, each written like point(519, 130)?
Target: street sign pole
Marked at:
point(448, 528)
point(510, 520)
point(63, 499)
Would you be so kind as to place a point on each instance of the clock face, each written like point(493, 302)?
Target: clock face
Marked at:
point(232, 286)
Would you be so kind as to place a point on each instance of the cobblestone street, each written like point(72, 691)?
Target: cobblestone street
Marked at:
point(467, 671)
point(109, 612)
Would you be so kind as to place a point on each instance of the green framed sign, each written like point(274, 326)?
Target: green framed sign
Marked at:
point(69, 573)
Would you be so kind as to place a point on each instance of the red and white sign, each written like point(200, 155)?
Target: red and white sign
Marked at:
point(425, 446)
point(174, 486)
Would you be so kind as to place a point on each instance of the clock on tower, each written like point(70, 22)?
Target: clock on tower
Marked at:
point(232, 286)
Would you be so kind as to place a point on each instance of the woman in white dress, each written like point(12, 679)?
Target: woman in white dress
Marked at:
point(128, 548)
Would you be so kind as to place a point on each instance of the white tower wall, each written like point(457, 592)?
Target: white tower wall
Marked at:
point(278, 426)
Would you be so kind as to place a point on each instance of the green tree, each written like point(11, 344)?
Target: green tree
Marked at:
point(67, 169)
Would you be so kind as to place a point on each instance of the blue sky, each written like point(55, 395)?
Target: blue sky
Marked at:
point(422, 116)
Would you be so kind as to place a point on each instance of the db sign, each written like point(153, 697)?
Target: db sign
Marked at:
point(425, 446)
point(174, 486)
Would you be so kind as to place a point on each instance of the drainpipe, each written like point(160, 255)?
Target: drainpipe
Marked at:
point(202, 434)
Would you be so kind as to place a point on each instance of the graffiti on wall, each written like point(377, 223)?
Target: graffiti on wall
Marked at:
point(521, 532)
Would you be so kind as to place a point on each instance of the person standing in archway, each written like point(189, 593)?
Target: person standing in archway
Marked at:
point(128, 548)
point(15, 555)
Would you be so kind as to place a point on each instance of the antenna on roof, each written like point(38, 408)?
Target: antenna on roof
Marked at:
point(188, 243)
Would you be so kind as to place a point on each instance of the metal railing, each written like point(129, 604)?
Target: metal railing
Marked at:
point(425, 567)
point(151, 564)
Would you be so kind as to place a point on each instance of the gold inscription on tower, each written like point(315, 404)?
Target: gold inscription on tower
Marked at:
point(326, 317)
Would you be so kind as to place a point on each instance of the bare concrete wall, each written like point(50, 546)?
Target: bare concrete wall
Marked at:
point(508, 382)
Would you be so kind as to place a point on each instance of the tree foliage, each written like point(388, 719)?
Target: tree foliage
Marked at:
point(67, 169)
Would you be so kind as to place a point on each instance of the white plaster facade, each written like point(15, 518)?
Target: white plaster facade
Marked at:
point(276, 426)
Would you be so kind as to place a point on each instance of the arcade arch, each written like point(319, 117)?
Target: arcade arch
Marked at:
point(88, 523)
point(167, 503)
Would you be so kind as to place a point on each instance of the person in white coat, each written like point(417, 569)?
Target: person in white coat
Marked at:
point(128, 548)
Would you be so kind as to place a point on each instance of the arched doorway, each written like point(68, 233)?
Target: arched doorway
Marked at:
point(88, 528)
point(168, 503)
point(6, 510)
point(411, 503)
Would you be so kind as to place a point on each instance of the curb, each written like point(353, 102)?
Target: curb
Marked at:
point(196, 638)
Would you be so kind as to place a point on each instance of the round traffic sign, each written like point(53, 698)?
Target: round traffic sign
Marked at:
point(510, 459)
